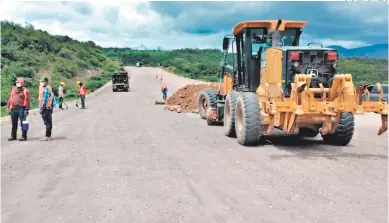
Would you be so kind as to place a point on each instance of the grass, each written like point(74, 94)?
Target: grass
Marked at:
point(31, 54)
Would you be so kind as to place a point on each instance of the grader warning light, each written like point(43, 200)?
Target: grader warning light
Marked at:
point(276, 84)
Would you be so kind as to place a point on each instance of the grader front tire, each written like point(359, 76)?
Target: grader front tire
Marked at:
point(206, 99)
point(229, 114)
point(344, 131)
point(247, 119)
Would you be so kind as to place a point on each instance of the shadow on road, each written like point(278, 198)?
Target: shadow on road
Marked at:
point(58, 138)
point(306, 148)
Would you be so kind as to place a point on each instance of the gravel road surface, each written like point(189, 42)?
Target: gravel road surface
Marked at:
point(124, 159)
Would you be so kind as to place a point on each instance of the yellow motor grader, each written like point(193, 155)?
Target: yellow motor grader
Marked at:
point(277, 84)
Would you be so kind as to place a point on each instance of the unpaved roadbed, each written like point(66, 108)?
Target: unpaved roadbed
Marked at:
point(124, 159)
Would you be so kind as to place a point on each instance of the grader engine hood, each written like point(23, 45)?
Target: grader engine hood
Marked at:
point(318, 62)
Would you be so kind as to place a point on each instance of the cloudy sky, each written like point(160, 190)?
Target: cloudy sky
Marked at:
point(198, 24)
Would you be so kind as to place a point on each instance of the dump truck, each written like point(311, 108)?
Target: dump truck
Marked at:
point(274, 84)
point(120, 81)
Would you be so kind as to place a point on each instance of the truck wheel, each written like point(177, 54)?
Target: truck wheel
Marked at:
point(229, 114)
point(248, 119)
point(308, 132)
point(206, 98)
point(343, 133)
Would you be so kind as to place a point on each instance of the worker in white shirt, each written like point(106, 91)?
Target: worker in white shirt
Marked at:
point(61, 94)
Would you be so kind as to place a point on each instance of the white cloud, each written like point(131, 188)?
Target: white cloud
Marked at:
point(362, 12)
point(130, 29)
point(305, 39)
point(130, 24)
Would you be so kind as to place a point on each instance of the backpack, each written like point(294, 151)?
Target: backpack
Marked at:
point(54, 102)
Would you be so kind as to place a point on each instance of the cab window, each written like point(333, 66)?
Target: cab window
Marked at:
point(258, 39)
point(288, 37)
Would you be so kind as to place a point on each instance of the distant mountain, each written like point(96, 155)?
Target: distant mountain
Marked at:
point(373, 51)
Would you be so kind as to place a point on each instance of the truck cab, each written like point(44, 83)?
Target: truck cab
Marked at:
point(120, 81)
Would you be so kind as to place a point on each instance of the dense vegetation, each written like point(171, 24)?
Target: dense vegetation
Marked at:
point(203, 64)
point(193, 63)
point(30, 53)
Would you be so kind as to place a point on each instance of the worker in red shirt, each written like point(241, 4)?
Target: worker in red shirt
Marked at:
point(82, 92)
point(18, 107)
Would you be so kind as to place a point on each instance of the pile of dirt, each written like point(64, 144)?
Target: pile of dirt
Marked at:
point(186, 97)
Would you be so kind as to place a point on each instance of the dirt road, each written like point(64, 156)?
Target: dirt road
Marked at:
point(124, 159)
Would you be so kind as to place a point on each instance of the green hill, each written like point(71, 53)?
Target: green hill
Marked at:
point(203, 64)
point(30, 53)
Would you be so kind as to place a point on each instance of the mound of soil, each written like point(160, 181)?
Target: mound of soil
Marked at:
point(186, 97)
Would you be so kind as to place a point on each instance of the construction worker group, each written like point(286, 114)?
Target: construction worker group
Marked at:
point(19, 105)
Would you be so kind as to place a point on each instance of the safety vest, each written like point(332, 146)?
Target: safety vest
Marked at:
point(13, 92)
point(49, 101)
point(83, 90)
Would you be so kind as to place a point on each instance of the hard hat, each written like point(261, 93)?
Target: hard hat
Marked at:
point(44, 79)
point(20, 81)
point(62, 83)
point(78, 82)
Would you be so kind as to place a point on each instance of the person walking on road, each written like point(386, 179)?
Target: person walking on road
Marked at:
point(46, 105)
point(164, 91)
point(18, 107)
point(82, 92)
point(61, 94)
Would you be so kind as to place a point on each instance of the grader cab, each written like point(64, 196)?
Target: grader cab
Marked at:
point(277, 84)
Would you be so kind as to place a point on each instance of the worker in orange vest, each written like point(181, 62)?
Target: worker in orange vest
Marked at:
point(18, 107)
point(47, 104)
point(82, 92)
point(164, 91)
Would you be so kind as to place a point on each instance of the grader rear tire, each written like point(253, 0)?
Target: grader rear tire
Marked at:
point(206, 99)
point(229, 114)
point(248, 119)
point(344, 131)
